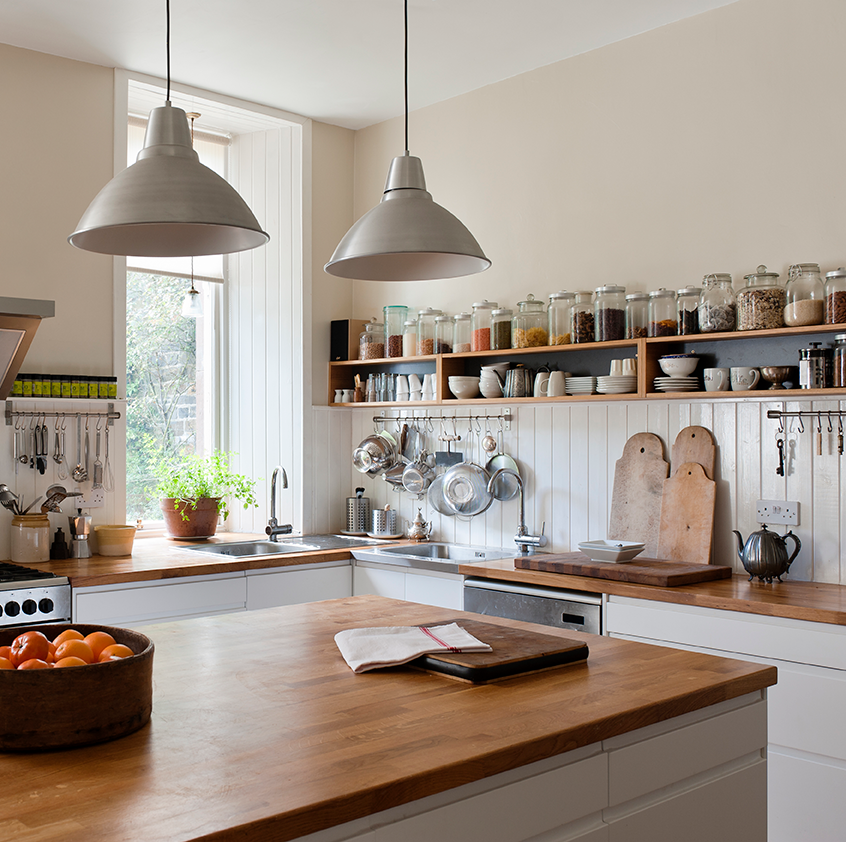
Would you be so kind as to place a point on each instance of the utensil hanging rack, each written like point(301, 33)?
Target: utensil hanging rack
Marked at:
point(110, 414)
point(505, 417)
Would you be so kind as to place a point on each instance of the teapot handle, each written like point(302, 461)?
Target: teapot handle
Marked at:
point(797, 546)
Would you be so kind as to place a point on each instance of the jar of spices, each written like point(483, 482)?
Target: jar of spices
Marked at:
point(637, 315)
point(501, 329)
point(30, 538)
point(717, 306)
point(371, 342)
point(426, 330)
point(835, 297)
point(66, 386)
point(663, 315)
point(581, 317)
point(805, 296)
point(760, 304)
point(558, 317)
point(528, 327)
point(395, 316)
point(481, 325)
point(839, 369)
point(688, 310)
point(409, 338)
point(56, 386)
point(609, 311)
point(444, 329)
point(461, 333)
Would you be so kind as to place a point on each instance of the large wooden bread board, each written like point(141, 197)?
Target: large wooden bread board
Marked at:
point(515, 651)
point(641, 571)
point(687, 515)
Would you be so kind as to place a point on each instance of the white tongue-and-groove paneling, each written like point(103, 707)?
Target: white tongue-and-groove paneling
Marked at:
point(567, 455)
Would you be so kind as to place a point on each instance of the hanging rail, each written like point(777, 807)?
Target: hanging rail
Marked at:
point(807, 413)
point(109, 414)
point(505, 417)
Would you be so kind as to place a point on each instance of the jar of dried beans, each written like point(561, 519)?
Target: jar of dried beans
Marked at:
point(688, 310)
point(805, 296)
point(637, 315)
point(528, 327)
point(444, 329)
point(371, 342)
point(581, 317)
point(426, 330)
point(609, 313)
point(501, 329)
point(717, 306)
point(395, 316)
point(835, 297)
point(760, 304)
point(481, 325)
point(461, 333)
point(558, 317)
point(663, 317)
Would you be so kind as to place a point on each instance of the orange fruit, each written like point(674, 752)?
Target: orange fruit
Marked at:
point(115, 653)
point(70, 661)
point(51, 655)
point(67, 634)
point(75, 649)
point(34, 664)
point(6, 664)
point(29, 645)
point(98, 641)
point(6, 652)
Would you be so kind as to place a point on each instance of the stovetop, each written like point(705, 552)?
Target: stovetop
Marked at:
point(29, 597)
point(12, 574)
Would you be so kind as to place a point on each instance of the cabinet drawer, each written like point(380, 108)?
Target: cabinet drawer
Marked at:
point(296, 585)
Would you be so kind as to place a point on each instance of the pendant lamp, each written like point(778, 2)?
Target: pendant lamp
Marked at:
point(407, 236)
point(168, 204)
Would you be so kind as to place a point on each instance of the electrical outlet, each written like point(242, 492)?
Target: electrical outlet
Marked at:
point(778, 511)
point(93, 499)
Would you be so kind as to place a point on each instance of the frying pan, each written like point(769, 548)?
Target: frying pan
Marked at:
point(506, 486)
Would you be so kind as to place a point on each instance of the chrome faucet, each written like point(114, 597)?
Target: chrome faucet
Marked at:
point(523, 539)
point(273, 529)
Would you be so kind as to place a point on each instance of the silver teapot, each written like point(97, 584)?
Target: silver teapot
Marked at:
point(420, 529)
point(765, 554)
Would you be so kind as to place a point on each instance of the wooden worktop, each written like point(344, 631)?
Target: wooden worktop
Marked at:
point(261, 731)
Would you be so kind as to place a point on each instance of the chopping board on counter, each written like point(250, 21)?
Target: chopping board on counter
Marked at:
point(640, 571)
point(514, 652)
point(687, 515)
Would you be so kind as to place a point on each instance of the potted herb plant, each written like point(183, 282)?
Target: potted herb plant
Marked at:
point(196, 490)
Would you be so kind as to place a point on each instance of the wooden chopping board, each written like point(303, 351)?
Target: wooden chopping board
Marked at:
point(641, 571)
point(638, 488)
point(694, 444)
point(515, 651)
point(687, 516)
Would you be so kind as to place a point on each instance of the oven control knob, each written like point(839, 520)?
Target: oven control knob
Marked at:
point(29, 606)
point(45, 605)
point(12, 609)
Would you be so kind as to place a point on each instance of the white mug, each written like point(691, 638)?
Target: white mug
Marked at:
point(743, 379)
point(402, 387)
point(556, 386)
point(415, 395)
point(541, 384)
point(414, 383)
point(717, 379)
point(616, 368)
point(630, 367)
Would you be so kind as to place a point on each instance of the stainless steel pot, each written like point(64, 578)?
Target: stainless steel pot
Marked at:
point(375, 454)
point(465, 489)
point(418, 475)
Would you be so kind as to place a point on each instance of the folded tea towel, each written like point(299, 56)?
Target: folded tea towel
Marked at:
point(370, 649)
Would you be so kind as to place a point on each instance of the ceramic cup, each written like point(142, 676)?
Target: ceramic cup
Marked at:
point(743, 379)
point(616, 368)
point(415, 395)
point(717, 379)
point(541, 384)
point(630, 366)
point(402, 388)
point(414, 384)
point(556, 387)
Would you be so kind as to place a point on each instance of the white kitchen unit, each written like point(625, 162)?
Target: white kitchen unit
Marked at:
point(298, 584)
point(807, 741)
point(428, 587)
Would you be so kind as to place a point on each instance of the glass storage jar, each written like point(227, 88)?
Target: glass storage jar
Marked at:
point(30, 538)
point(481, 325)
point(581, 317)
point(426, 330)
point(688, 310)
point(409, 338)
point(835, 297)
point(528, 327)
point(637, 315)
point(558, 317)
point(461, 333)
point(609, 313)
point(663, 316)
point(717, 306)
point(371, 343)
point(839, 368)
point(501, 329)
point(760, 304)
point(805, 295)
point(444, 328)
point(395, 316)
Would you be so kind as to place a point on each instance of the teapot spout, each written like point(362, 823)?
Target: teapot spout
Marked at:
point(740, 543)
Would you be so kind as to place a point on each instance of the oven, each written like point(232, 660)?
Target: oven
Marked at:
point(31, 597)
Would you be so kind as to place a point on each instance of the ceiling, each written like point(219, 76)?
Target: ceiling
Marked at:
point(337, 61)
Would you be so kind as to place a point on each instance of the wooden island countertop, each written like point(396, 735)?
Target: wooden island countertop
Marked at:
point(261, 731)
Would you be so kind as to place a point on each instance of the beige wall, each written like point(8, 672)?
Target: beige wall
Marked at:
point(56, 152)
point(710, 145)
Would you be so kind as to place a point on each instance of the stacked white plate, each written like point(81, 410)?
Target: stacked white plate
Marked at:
point(580, 385)
point(677, 384)
point(616, 384)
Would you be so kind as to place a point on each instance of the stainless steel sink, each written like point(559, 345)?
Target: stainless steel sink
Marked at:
point(435, 556)
point(293, 544)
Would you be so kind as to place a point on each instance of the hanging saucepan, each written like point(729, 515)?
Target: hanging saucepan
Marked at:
point(418, 475)
point(506, 486)
point(375, 454)
point(435, 496)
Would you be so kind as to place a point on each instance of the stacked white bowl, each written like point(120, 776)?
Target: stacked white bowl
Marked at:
point(464, 388)
point(489, 383)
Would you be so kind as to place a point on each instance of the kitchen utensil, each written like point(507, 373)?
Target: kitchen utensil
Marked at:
point(488, 442)
point(435, 496)
point(678, 365)
point(384, 524)
point(80, 528)
point(36, 500)
point(393, 476)
point(541, 389)
point(59, 451)
point(418, 475)
point(765, 554)
point(375, 454)
point(694, 444)
point(108, 474)
point(687, 516)
point(56, 494)
point(79, 473)
point(466, 487)
point(98, 465)
point(446, 458)
point(505, 487)
point(636, 496)
point(359, 517)
point(419, 529)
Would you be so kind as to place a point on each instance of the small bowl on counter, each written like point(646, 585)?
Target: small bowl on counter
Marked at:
point(617, 552)
point(114, 539)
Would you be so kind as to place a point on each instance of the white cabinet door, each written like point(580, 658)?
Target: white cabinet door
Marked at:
point(443, 591)
point(446, 590)
point(378, 581)
point(295, 585)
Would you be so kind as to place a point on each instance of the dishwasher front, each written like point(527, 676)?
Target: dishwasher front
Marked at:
point(556, 607)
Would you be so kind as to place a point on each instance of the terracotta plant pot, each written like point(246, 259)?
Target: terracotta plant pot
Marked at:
point(202, 517)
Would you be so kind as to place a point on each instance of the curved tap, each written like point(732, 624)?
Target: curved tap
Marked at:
point(273, 529)
point(523, 539)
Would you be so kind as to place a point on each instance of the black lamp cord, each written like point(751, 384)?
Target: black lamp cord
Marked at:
point(405, 75)
point(167, 42)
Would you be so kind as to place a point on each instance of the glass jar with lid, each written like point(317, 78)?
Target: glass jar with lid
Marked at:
point(501, 328)
point(839, 366)
point(581, 317)
point(760, 304)
point(717, 305)
point(395, 316)
point(558, 317)
point(426, 330)
point(444, 329)
point(461, 333)
point(637, 315)
point(481, 325)
point(835, 297)
point(663, 314)
point(609, 313)
point(688, 310)
point(371, 342)
point(409, 338)
point(528, 327)
point(805, 295)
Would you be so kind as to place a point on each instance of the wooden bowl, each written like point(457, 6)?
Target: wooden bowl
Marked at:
point(76, 706)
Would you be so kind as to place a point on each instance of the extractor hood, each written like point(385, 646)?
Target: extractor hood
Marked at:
point(19, 319)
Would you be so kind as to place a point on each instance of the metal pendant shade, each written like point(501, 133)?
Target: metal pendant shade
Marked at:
point(407, 236)
point(168, 204)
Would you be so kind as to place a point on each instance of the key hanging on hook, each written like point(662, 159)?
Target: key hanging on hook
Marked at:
point(780, 446)
point(839, 435)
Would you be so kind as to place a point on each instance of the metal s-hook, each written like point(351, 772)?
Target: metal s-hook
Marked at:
point(830, 428)
point(801, 424)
